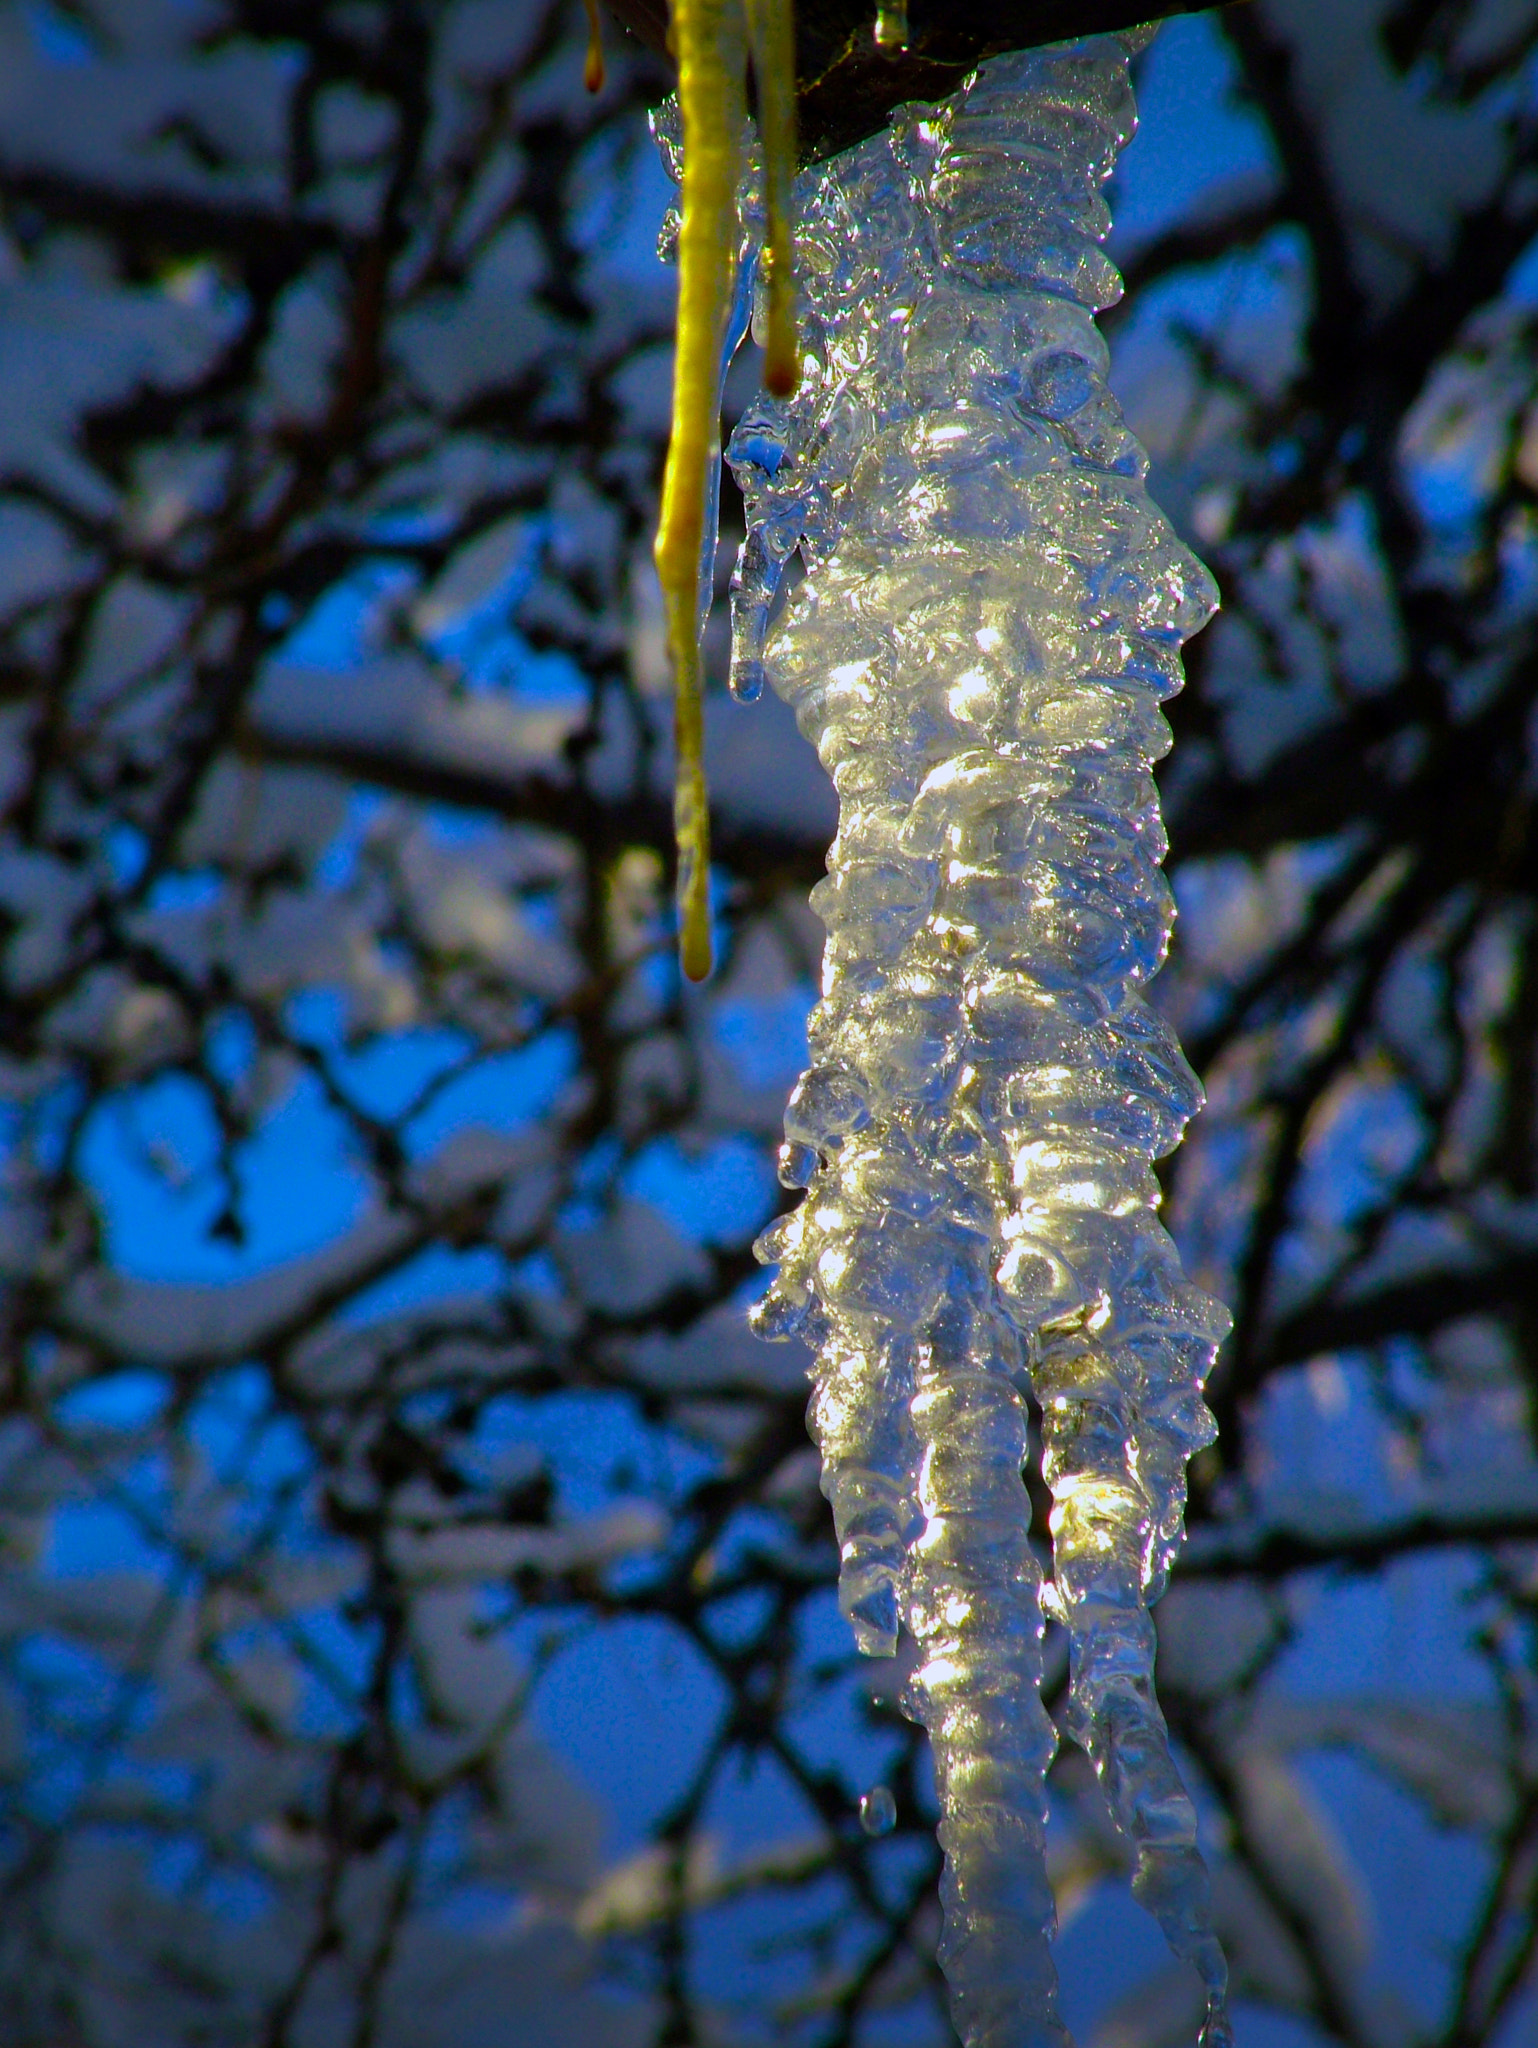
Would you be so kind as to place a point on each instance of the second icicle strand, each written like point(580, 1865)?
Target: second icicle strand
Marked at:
point(991, 614)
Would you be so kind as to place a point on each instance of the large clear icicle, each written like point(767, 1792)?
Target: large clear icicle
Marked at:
point(991, 613)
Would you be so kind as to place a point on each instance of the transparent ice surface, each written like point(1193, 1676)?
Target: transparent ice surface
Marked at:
point(991, 614)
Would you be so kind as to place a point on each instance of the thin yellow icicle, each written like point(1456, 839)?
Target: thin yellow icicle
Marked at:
point(592, 70)
point(771, 29)
point(709, 39)
point(712, 97)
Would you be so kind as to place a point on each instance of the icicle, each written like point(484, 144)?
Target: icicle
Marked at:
point(991, 614)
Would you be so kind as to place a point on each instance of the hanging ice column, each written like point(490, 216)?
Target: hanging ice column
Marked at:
point(991, 614)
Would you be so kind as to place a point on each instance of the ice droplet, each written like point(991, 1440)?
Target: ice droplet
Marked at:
point(878, 1811)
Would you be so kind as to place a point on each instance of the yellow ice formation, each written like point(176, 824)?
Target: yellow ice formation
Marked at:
point(592, 69)
point(712, 40)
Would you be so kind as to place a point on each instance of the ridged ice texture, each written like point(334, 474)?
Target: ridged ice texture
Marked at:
point(991, 614)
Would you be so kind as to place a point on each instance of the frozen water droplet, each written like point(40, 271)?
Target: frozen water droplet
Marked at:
point(746, 681)
point(797, 1164)
point(1060, 384)
point(878, 1810)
